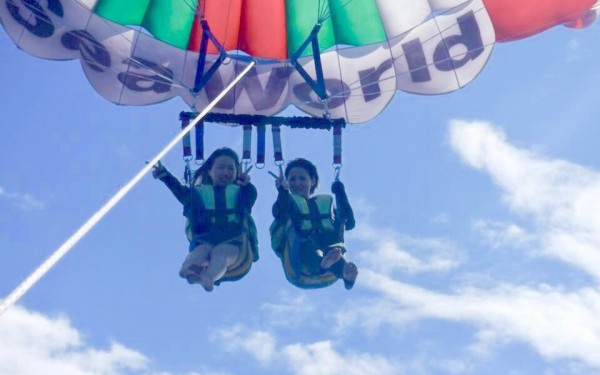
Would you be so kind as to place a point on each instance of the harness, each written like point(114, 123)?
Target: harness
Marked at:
point(230, 213)
point(205, 201)
point(312, 216)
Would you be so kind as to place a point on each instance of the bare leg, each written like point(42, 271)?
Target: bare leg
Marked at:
point(331, 257)
point(195, 262)
point(221, 257)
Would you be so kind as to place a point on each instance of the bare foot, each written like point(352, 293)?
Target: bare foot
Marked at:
point(350, 274)
point(198, 268)
point(331, 258)
point(192, 279)
point(206, 282)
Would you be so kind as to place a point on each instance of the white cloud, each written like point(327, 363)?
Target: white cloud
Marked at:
point(389, 251)
point(24, 201)
point(31, 343)
point(562, 198)
point(499, 234)
point(260, 344)
point(318, 358)
point(561, 201)
point(556, 323)
point(322, 359)
point(291, 311)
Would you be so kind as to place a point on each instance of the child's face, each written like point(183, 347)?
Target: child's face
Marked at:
point(300, 182)
point(223, 171)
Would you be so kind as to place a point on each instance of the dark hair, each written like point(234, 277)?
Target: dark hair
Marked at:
point(208, 164)
point(307, 166)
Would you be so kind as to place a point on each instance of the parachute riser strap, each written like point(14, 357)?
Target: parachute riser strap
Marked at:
point(201, 78)
point(198, 135)
point(187, 144)
point(317, 86)
point(337, 149)
point(247, 144)
point(276, 123)
point(185, 117)
point(199, 142)
point(277, 149)
point(260, 146)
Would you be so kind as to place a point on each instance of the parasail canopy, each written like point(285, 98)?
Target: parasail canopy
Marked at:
point(341, 58)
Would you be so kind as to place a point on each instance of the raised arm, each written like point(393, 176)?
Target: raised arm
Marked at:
point(249, 195)
point(281, 207)
point(344, 211)
point(179, 190)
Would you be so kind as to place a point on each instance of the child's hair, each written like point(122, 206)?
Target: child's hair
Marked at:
point(202, 172)
point(307, 166)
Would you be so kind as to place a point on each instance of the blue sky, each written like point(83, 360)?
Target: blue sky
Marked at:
point(478, 235)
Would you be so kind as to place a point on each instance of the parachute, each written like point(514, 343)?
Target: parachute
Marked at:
point(339, 58)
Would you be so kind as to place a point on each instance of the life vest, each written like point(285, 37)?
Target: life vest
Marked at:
point(205, 201)
point(312, 216)
point(311, 224)
point(208, 212)
point(287, 245)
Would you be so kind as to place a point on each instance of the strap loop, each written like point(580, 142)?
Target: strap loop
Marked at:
point(277, 150)
point(247, 147)
point(337, 144)
point(260, 146)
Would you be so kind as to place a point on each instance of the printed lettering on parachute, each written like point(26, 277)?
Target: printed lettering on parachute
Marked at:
point(131, 57)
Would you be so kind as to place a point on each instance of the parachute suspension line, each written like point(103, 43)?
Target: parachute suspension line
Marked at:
point(323, 9)
point(229, 11)
point(328, 12)
point(337, 150)
point(36, 275)
point(191, 4)
point(260, 145)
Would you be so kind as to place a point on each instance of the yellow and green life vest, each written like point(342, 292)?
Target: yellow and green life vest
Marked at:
point(207, 201)
point(314, 215)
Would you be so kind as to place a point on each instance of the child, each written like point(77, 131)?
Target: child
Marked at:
point(218, 212)
point(308, 233)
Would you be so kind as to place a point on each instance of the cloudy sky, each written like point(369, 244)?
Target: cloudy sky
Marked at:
point(477, 238)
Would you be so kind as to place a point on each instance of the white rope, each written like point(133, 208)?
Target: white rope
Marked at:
point(20, 290)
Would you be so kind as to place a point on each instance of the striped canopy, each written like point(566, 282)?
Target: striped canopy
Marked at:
point(138, 52)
